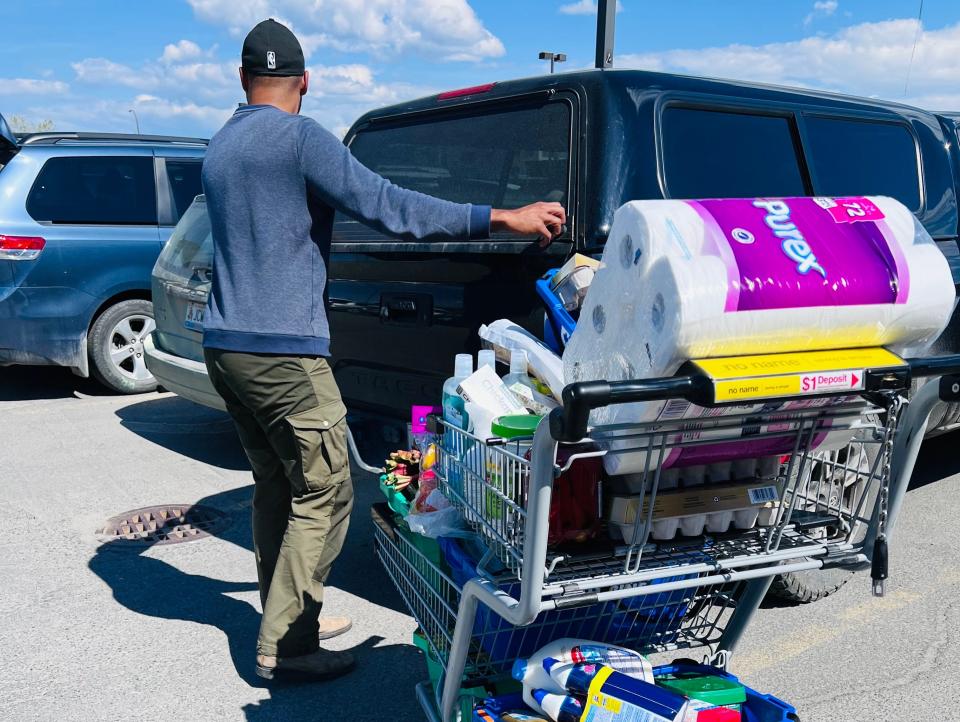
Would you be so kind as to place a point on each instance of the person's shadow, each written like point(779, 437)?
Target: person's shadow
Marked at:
point(152, 587)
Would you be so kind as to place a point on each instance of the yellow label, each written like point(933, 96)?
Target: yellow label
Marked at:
point(596, 698)
point(767, 376)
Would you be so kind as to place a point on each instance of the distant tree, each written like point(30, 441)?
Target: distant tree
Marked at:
point(19, 124)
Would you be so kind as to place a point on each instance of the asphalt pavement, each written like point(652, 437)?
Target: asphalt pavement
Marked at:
point(97, 633)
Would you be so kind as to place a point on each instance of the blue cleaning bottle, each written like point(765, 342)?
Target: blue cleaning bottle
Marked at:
point(572, 677)
point(561, 708)
point(606, 688)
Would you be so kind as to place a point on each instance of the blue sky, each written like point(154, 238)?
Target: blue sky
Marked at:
point(84, 63)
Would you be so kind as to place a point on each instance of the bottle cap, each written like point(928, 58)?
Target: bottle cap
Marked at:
point(487, 357)
point(463, 366)
point(514, 426)
point(518, 361)
point(549, 663)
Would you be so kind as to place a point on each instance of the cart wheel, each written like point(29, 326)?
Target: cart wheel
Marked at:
point(809, 586)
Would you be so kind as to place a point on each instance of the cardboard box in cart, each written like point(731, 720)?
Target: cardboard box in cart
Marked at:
point(715, 507)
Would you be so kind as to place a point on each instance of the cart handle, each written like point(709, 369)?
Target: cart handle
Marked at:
point(570, 422)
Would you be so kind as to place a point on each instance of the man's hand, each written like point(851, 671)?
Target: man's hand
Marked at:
point(545, 220)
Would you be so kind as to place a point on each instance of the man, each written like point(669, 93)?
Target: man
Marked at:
point(273, 180)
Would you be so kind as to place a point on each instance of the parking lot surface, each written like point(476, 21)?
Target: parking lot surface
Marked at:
point(95, 633)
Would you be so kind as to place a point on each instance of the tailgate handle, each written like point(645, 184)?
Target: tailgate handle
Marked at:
point(406, 309)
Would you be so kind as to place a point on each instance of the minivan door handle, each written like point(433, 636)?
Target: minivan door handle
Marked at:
point(406, 309)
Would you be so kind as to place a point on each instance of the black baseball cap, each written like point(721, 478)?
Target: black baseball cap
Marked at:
point(272, 49)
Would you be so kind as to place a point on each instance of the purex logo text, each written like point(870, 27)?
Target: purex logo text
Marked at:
point(792, 241)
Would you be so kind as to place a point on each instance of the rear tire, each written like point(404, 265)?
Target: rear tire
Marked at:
point(115, 347)
point(808, 586)
point(814, 584)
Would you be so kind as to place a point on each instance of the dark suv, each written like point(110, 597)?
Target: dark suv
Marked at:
point(592, 140)
point(83, 217)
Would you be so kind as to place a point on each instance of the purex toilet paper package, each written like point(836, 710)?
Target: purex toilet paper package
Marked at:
point(682, 280)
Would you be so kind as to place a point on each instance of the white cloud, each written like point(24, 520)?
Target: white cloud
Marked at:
point(869, 59)
point(31, 86)
point(183, 50)
point(206, 116)
point(821, 9)
point(106, 72)
point(584, 7)
point(442, 29)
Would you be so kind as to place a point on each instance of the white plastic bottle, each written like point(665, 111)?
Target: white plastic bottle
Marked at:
point(525, 388)
point(487, 357)
point(454, 412)
point(531, 673)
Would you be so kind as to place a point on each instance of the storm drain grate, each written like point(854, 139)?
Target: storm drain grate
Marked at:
point(168, 524)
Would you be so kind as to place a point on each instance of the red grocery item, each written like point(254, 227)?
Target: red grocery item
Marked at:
point(575, 503)
point(719, 714)
point(428, 482)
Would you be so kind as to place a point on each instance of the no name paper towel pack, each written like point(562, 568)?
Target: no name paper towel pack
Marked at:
point(682, 280)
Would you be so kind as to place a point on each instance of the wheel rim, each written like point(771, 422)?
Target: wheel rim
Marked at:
point(842, 474)
point(125, 346)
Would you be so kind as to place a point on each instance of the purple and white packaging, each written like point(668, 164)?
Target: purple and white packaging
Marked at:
point(682, 280)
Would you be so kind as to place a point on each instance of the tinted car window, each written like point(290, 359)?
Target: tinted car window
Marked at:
point(714, 154)
point(504, 159)
point(96, 190)
point(853, 157)
point(184, 177)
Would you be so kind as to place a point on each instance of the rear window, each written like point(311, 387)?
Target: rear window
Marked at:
point(718, 154)
point(854, 157)
point(189, 252)
point(184, 177)
point(505, 159)
point(95, 190)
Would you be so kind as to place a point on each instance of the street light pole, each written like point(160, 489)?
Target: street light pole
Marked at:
point(553, 58)
point(606, 21)
point(135, 119)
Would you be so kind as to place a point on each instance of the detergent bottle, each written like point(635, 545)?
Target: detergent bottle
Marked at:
point(454, 411)
point(560, 707)
point(532, 675)
point(607, 690)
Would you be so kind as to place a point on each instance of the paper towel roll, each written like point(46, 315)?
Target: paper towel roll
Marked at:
point(682, 280)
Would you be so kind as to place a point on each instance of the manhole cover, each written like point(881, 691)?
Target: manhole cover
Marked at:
point(166, 524)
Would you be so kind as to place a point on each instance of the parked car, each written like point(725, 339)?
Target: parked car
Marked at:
point(591, 140)
point(83, 217)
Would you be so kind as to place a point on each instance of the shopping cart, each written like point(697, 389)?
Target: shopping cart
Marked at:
point(656, 596)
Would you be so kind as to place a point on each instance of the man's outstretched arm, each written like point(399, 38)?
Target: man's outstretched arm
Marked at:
point(346, 184)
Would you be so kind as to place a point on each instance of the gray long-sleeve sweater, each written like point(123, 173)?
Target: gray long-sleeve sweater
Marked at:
point(273, 181)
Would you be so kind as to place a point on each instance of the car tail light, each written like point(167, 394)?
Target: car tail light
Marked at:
point(474, 90)
point(20, 248)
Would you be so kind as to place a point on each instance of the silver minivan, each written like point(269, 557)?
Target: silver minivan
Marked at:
point(181, 284)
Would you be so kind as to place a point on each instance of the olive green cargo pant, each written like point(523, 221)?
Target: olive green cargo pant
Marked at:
point(292, 424)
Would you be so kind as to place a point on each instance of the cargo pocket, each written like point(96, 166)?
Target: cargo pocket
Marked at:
point(321, 436)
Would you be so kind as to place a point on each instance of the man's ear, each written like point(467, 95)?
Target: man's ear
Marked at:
point(244, 83)
point(305, 84)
